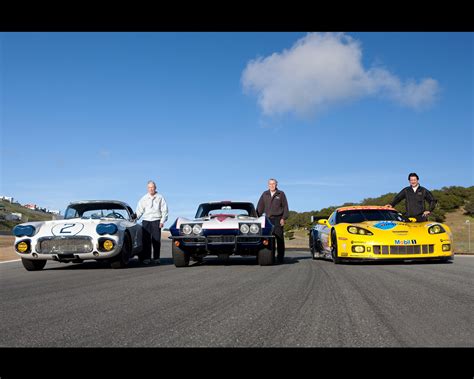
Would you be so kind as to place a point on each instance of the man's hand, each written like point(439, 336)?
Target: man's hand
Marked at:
point(426, 213)
point(282, 222)
point(161, 225)
point(388, 205)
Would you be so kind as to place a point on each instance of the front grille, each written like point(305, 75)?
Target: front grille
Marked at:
point(221, 239)
point(403, 249)
point(66, 245)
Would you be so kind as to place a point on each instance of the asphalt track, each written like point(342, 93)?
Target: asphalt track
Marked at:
point(300, 303)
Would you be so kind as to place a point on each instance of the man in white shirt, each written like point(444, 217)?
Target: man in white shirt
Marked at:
point(154, 210)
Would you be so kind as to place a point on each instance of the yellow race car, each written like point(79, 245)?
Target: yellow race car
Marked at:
point(379, 233)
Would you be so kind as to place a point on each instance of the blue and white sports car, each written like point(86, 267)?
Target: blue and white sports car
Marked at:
point(223, 228)
point(92, 229)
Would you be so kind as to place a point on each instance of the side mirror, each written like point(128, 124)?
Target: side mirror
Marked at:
point(412, 219)
point(134, 216)
point(323, 221)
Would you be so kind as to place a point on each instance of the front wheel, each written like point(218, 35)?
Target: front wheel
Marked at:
point(334, 255)
point(122, 258)
point(266, 256)
point(33, 265)
point(180, 257)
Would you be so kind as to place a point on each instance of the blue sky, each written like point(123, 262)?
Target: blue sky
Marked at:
point(96, 115)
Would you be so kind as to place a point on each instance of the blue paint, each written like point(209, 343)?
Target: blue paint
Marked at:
point(102, 229)
point(385, 225)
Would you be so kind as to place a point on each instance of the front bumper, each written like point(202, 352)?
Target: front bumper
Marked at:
point(378, 251)
point(64, 255)
point(232, 243)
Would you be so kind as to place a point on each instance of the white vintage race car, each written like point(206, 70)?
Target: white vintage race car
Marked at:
point(91, 229)
point(223, 228)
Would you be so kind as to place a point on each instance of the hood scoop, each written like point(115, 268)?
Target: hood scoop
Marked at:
point(222, 217)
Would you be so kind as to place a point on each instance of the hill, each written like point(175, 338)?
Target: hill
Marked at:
point(27, 215)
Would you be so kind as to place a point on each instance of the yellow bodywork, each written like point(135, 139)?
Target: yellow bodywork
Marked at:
point(392, 240)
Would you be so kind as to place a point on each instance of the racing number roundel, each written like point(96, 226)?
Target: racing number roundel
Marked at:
point(66, 229)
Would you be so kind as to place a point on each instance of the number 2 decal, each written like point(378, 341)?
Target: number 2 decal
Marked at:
point(67, 226)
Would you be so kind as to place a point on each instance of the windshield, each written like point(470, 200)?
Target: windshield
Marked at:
point(97, 211)
point(208, 209)
point(361, 215)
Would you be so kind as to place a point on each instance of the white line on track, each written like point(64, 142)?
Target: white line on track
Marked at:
point(15, 260)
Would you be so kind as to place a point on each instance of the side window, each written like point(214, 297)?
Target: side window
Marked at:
point(332, 219)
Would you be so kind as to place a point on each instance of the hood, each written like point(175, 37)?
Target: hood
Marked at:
point(69, 227)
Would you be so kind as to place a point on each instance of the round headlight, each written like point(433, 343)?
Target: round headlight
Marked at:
point(22, 247)
point(187, 229)
point(244, 228)
point(254, 228)
point(197, 229)
point(352, 229)
point(108, 245)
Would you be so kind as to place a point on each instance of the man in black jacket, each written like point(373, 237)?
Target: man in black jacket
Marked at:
point(415, 196)
point(274, 204)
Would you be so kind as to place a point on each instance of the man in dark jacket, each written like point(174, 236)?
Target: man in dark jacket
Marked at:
point(415, 196)
point(275, 206)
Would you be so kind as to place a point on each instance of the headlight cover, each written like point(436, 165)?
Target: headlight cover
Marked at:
point(436, 229)
point(102, 229)
point(24, 230)
point(357, 230)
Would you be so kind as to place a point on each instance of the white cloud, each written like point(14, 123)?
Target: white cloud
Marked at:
point(322, 69)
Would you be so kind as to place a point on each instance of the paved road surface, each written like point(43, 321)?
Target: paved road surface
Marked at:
point(300, 303)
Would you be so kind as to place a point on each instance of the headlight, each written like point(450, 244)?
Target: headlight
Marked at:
point(102, 229)
point(197, 229)
point(24, 230)
point(356, 230)
point(187, 229)
point(23, 247)
point(254, 229)
point(108, 245)
point(244, 228)
point(436, 229)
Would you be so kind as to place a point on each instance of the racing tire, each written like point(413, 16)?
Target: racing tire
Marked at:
point(180, 258)
point(334, 256)
point(266, 257)
point(224, 258)
point(33, 265)
point(121, 259)
point(311, 246)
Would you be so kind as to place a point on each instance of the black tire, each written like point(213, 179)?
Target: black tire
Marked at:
point(121, 259)
point(33, 264)
point(334, 255)
point(311, 245)
point(224, 258)
point(180, 257)
point(266, 257)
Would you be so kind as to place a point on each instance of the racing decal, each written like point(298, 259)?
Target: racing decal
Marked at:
point(70, 229)
point(405, 242)
point(385, 225)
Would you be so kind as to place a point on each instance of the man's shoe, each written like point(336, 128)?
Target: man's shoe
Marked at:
point(146, 261)
point(156, 261)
